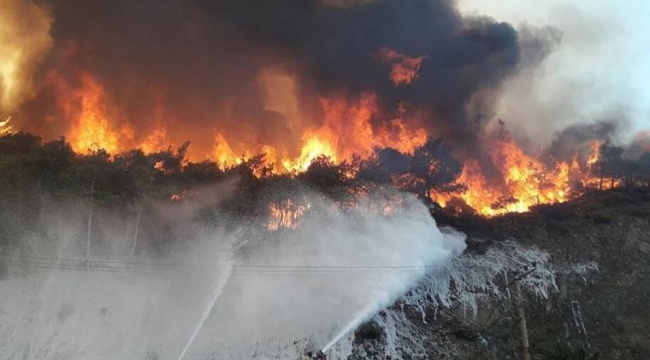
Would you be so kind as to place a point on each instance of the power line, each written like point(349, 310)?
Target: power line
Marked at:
point(106, 262)
point(237, 270)
point(236, 266)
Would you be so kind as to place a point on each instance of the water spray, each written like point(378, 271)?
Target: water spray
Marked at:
point(366, 313)
point(206, 314)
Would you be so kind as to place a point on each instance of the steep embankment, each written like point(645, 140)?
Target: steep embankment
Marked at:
point(604, 311)
point(612, 230)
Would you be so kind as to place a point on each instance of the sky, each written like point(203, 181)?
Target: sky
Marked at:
point(599, 70)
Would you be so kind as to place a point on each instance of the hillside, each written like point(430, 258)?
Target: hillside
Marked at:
point(137, 204)
point(610, 229)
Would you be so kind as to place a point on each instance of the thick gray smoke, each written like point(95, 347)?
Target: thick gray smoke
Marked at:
point(577, 137)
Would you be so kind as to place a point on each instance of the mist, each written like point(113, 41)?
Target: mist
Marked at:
point(266, 294)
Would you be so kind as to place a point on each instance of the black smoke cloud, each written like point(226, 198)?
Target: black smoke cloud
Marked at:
point(204, 56)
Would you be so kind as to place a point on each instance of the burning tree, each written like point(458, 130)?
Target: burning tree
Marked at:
point(610, 166)
point(433, 163)
point(642, 167)
point(430, 169)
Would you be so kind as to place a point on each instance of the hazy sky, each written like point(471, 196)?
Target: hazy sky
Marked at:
point(599, 70)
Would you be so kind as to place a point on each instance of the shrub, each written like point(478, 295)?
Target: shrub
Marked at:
point(466, 333)
point(602, 217)
point(594, 207)
point(617, 198)
point(369, 331)
point(557, 211)
point(636, 211)
point(564, 351)
point(557, 227)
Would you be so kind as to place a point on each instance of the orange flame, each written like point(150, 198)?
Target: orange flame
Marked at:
point(91, 127)
point(595, 154)
point(347, 128)
point(404, 70)
point(526, 182)
point(156, 141)
point(223, 153)
point(5, 127)
point(312, 149)
point(285, 215)
point(590, 180)
point(346, 131)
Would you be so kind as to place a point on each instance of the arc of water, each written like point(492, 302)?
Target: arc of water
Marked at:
point(206, 314)
point(366, 313)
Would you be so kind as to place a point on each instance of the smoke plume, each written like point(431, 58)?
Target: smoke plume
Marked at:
point(197, 68)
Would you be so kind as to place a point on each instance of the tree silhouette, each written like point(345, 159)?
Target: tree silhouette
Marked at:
point(610, 164)
point(434, 164)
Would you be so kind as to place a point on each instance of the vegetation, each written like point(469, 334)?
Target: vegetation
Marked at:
point(126, 182)
point(612, 168)
point(565, 351)
point(53, 167)
point(30, 166)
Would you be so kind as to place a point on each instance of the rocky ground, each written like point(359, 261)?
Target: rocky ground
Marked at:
point(605, 312)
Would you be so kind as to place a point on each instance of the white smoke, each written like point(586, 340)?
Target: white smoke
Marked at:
point(582, 78)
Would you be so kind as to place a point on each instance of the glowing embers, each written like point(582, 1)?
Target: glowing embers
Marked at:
point(285, 214)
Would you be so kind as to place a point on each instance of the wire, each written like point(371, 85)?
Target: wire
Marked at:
point(108, 262)
point(236, 266)
point(238, 270)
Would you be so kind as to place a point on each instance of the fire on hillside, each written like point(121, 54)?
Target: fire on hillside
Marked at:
point(295, 82)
